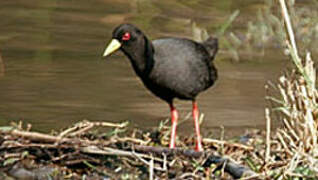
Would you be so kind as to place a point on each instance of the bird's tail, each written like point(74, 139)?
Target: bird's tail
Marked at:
point(212, 46)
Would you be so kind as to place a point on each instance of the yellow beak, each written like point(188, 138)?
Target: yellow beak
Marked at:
point(112, 47)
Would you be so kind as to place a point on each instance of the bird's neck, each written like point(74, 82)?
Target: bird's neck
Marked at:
point(141, 58)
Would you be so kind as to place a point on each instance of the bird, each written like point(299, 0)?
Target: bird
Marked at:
point(170, 67)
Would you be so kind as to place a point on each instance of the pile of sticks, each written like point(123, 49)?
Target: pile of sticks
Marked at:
point(81, 150)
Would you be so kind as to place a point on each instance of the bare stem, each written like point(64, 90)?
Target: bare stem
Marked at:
point(268, 135)
point(289, 26)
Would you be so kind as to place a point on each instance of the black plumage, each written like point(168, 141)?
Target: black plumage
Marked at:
point(168, 67)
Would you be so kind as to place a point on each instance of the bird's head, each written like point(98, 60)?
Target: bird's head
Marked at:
point(124, 37)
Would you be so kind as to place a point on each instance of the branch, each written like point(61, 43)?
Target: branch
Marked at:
point(168, 151)
point(2, 68)
point(84, 126)
point(236, 170)
point(35, 136)
point(236, 145)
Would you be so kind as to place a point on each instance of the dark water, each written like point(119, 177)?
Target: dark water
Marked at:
point(55, 75)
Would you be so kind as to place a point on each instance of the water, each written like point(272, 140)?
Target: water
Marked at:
point(55, 75)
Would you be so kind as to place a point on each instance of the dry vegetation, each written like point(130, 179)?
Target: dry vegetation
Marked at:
point(296, 142)
point(81, 152)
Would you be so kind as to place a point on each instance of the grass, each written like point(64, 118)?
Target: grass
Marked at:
point(267, 32)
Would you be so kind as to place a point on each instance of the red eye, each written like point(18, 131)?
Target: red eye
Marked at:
point(126, 37)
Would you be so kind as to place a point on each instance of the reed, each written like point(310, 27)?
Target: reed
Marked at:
point(296, 106)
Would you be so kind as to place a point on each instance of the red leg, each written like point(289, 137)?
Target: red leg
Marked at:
point(195, 113)
point(174, 120)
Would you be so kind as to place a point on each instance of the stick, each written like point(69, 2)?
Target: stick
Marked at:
point(221, 142)
point(2, 68)
point(38, 136)
point(67, 131)
point(168, 151)
point(134, 140)
point(108, 124)
point(236, 170)
point(268, 135)
point(151, 167)
point(106, 151)
point(87, 125)
point(115, 152)
point(35, 136)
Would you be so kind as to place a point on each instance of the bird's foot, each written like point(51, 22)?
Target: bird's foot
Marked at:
point(198, 146)
point(172, 145)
